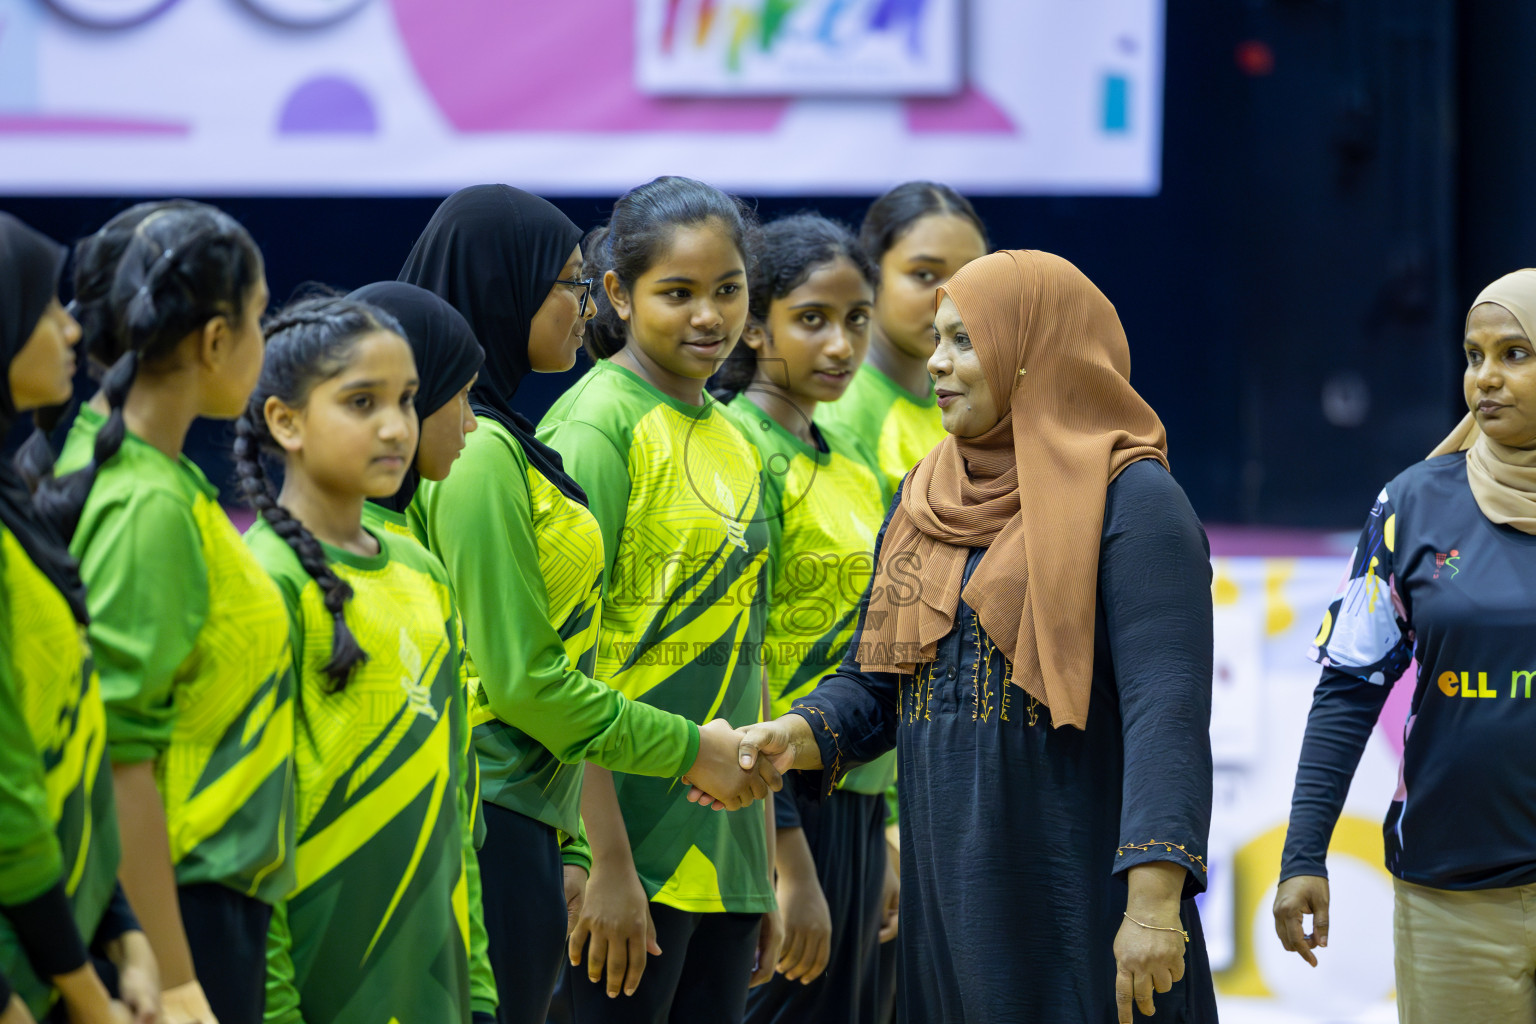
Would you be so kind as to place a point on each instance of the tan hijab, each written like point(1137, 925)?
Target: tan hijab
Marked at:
point(1503, 479)
point(1071, 424)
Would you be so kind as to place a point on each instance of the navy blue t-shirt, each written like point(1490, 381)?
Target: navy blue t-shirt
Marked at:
point(1434, 579)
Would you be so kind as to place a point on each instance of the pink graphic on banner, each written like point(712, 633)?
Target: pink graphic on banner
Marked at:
point(493, 69)
point(490, 68)
point(61, 124)
point(971, 111)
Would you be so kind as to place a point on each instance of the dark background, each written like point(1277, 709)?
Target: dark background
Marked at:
point(1340, 178)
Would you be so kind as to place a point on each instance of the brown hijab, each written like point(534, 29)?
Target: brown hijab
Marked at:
point(1072, 423)
point(1503, 479)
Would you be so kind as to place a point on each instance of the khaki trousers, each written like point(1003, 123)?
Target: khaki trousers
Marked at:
point(1465, 957)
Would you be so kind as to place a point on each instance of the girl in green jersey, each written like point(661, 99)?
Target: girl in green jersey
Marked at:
point(448, 360)
point(919, 234)
point(811, 296)
point(676, 492)
point(58, 830)
point(188, 633)
point(526, 558)
point(377, 925)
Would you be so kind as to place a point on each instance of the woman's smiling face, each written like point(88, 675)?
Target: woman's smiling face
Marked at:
point(966, 403)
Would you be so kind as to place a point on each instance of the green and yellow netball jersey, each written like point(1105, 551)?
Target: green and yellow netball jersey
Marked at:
point(191, 642)
point(897, 428)
point(57, 820)
point(482, 981)
point(527, 563)
point(677, 493)
point(824, 509)
point(377, 926)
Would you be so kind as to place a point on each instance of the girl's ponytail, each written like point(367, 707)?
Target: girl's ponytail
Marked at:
point(151, 276)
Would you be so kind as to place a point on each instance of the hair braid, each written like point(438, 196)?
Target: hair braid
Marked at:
point(346, 653)
point(151, 276)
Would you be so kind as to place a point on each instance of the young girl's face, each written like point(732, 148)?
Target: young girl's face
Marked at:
point(817, 334)
point(442, 435)
point(913, 269)
point(43, 372)
point(555, 333)
point(354, 435)
point(687, 311)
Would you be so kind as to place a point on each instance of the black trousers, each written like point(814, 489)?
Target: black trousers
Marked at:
point(522, 886)
point(700, 978)
point(227, 931)
point(846, 835)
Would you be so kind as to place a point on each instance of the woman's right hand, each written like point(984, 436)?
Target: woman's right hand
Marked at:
point(783, 743)
point(615, 928)
point(1297, 896)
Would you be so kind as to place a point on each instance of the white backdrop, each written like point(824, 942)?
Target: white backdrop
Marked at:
point(423, 96)
point(1267, 611)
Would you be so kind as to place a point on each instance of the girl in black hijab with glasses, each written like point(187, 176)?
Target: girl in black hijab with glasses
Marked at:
point(512, 264)
point(58, 826)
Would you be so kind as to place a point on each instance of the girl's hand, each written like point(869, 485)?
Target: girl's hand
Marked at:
point(16, 1012)
point(807, 928)
point(890, 900)
point(575, 895)
point(615, 928)
point(186, 1004)
point(770, 936)
point(1297, 896)
point(138, 976)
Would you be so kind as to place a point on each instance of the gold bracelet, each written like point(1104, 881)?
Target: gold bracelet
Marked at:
point(1158, 928)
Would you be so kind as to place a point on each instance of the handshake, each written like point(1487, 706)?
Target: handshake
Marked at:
point(736, 767)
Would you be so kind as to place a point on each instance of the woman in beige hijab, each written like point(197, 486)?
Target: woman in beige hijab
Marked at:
point(1037, 644)
point(1445, 573)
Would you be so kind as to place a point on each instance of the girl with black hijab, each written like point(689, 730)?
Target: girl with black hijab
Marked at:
point(511, 263)
point(58, 826)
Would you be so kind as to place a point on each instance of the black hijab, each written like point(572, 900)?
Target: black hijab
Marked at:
point(447, 356)
point(494, 252)
point(30, 265)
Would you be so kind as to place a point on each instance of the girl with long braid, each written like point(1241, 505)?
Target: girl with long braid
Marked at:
point(188, 633)
point(377, 926)
point(58, 829)
point(526, 556)
point(448, 361)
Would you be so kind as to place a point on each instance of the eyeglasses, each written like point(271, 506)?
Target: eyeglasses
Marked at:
point(585, 284)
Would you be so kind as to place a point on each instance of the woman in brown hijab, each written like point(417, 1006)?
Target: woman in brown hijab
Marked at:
point(1036, 642)
point(1443, 575)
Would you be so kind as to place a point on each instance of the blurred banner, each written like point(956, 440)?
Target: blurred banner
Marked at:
point(1267, 611)
point(579, 97)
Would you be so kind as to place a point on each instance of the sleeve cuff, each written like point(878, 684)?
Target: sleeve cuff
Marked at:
point(47, 932)
point(831, 755)
point(1132, 854)
point(5, 993)
point(691, 751)
point(483, 1010)
point(577, 856)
